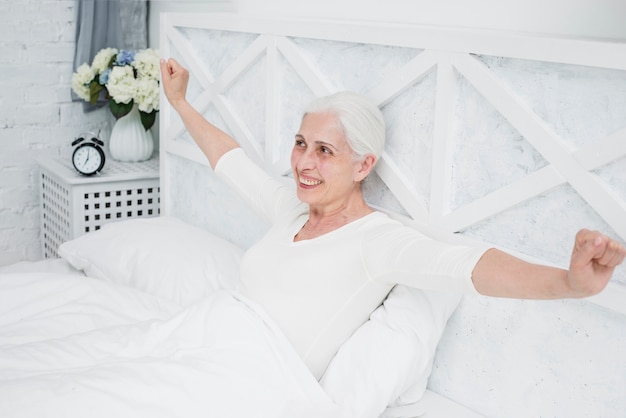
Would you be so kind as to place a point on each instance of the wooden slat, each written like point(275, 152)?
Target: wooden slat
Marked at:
point(441, 174)
point(187, 151)
point(502, 199)
point(242, 63)
point(561, 49)
point(401, 188)
point(272, 115)
point(398, 81)
point(603, 151)
point(319, 85)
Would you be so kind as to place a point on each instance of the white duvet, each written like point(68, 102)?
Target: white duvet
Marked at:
point(72, 346)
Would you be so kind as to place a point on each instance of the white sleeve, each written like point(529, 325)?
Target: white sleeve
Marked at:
point(402, 255)
point(266, 194)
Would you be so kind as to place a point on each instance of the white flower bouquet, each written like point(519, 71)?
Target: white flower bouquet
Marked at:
point(126, 78)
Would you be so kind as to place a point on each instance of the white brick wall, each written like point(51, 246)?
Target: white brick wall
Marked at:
point(37, 117)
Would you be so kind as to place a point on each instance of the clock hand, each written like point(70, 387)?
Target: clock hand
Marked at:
point(88, 155)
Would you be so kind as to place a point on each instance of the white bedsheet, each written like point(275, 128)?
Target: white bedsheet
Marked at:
point(73, 346)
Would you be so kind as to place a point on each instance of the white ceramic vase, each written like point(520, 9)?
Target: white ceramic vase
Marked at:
point(129, 141)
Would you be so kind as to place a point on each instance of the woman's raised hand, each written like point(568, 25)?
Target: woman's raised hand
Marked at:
point(212, 141)
point(174, 78)
point(593, 261)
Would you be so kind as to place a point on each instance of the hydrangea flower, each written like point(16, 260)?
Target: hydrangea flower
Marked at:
point(103, 59)
point(127, 79)
point(147, 95)
point(80, 81)
point(147, 64)
point(125, 58)
point(104, 76)
point(121, 84)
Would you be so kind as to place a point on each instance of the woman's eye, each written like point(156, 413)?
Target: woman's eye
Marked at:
point(299, 143)
point(325, 150)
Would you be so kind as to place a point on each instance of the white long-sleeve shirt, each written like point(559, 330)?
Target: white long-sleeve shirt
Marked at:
point(319, 291)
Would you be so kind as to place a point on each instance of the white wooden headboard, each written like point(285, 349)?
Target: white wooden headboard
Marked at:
point(512, 139)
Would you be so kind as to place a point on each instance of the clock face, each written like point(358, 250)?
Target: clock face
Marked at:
point(88, 159)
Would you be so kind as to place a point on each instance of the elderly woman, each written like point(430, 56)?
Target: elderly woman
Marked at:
point(329, 259)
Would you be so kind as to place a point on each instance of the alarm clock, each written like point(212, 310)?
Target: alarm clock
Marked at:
point(88, 158)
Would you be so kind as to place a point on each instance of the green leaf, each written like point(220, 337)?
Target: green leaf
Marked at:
point(94, 91)
point(147, 119)
point(120, 109)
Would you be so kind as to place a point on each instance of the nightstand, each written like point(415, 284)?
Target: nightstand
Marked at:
point(73, 204)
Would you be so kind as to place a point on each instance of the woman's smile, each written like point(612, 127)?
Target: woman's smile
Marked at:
point(308, 182)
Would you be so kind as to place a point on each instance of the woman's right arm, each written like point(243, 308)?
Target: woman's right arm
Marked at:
point(212, 141)
point(260, 190)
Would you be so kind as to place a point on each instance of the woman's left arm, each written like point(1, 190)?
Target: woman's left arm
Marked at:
point(593, 261)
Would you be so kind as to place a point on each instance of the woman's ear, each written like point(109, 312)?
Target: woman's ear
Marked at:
point(365, 167)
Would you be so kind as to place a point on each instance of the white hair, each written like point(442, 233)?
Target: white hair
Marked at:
point(359, 118)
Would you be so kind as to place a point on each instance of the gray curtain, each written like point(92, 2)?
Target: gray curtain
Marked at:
point(121, 24)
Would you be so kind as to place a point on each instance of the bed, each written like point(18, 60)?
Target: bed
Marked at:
point(117, 324)
point(510, 139)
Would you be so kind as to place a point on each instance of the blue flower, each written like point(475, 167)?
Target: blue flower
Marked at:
point(125, 57)
point(104, 76)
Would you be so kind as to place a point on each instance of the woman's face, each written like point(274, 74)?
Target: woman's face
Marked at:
point(323, 164)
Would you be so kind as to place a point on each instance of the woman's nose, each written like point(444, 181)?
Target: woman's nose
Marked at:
point(305, 160)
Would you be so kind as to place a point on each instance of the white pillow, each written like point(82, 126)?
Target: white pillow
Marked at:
point(162, 256)
point(388, 360)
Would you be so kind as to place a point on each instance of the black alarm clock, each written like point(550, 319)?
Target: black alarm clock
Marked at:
point(88, 158)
